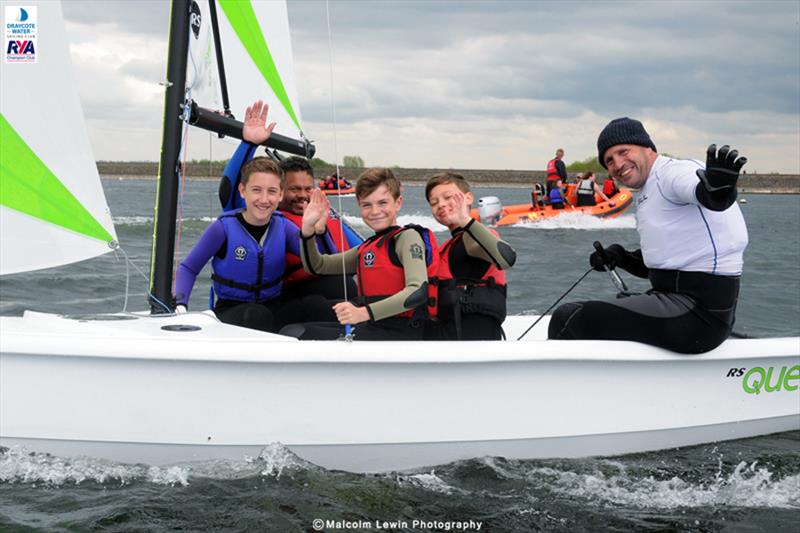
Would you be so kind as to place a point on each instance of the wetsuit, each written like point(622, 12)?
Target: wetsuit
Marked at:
point(297, 282)
point(693, 258)
point(472, 285)
point(248, 263)
point(385, 322)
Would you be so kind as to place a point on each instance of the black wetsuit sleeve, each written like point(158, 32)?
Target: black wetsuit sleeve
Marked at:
point(634, 263)
point(561, 168)
point(719, 200)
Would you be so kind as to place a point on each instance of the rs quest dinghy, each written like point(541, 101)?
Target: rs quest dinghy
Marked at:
point(159, 388)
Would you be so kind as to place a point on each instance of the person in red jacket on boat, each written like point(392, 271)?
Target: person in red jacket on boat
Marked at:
point(472, 265)
point(556, 170)
point(609, 187)
point(395, 268)
point(335, 239)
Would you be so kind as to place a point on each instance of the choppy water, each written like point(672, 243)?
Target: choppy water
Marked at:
point(745, 485)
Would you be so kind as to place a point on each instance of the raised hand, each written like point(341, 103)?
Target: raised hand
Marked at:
point(315, 213)
point(254, 127)
point(722, 168)
point(461, 207)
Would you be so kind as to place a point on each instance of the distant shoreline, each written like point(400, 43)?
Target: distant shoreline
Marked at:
point(748, 183)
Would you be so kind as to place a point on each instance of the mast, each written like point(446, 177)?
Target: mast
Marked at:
point(166, 208)
point(183, 18)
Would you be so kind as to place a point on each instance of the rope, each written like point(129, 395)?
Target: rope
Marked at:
point(555, 303)
point(128, 263)
point(336, 147)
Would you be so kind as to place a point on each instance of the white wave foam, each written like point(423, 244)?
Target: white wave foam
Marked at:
point(132, 221)
point(276, 458)
point(18, 465)
point(142, 221)
point(747, 486)
point(426, 221)
point(582, 222)
point(429, 481)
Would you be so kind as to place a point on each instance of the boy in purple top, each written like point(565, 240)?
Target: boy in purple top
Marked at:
point(247, 249)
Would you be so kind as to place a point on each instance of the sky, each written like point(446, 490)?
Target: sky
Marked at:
point(478, 84)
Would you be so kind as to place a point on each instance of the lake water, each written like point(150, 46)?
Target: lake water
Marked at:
point(745, 485)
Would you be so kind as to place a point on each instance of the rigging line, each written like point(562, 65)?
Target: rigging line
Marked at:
point(555, 303)
point(128, 263)
point(336, 148)
point(185, 148)
point(127, 276)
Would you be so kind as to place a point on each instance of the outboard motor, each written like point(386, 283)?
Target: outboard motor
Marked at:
point(490, 209)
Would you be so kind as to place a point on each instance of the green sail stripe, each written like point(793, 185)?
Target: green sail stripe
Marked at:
point(245, 23)
point(28, 186)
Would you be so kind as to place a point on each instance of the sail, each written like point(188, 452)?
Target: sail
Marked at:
point(52, 207)
point(257, 51)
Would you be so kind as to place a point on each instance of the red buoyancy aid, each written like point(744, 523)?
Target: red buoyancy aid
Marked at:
point(609, 187)
point(380, 273)
point(486, 295)
point(494, 273)
point(294, 265)
point(552, 171)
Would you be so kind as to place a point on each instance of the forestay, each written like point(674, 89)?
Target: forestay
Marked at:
point(52, 207)
point(257, 51)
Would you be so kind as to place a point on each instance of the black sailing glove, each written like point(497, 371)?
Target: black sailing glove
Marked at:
point(717, 187)
point(619, 257)
point(722, 168)
point(612, 257)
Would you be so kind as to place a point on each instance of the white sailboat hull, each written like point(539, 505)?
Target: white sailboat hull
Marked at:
point(129, 391)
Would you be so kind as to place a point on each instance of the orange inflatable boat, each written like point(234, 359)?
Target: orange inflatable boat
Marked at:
point(342, 192)
point(497, 214)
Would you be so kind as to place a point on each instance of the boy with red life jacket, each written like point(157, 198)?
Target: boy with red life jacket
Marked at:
point(396, 268)
point(472, 265)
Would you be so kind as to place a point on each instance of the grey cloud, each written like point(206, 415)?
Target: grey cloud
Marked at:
point(148, 17)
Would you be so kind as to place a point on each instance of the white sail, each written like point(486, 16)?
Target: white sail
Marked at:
point(52, 207)
point(258, 61)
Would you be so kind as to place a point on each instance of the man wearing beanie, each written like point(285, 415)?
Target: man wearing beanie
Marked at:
point(692, 239)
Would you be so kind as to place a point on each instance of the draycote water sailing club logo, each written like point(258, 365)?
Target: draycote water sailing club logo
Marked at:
point(20, 31)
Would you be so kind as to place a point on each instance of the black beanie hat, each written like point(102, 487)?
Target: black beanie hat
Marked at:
point(622, 131)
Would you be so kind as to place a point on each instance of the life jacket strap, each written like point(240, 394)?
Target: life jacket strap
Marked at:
point(252, 287)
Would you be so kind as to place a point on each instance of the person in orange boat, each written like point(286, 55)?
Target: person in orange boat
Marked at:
point(557, 198)
point(472, 265)
point(588, 188)
point(556, 170)
point(609, 187)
